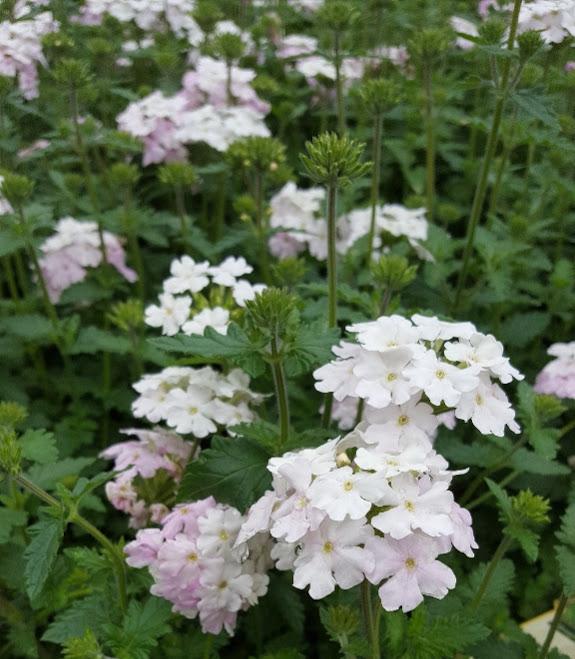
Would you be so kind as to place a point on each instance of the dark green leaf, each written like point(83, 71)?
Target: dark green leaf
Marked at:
point(41, 553)
point(39, 446)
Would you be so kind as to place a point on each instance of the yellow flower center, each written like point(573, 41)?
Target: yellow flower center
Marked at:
point(193, 410)
point(193, 557)
point(403, 420)
point(391, 377)
point(223, 535)
point(222, 585)
point(479, 399)
point(328, 547)
point(439, 374)
point(410, 563)
point(348, 486)
point(409, 505)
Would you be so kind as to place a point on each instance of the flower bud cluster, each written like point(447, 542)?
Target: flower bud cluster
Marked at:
point(200, 295)
point(195, 401)
point(558, 377)
point(149, 469)
point(198, 565)
point(73, 249)
point(399, 362)
point(374, 505)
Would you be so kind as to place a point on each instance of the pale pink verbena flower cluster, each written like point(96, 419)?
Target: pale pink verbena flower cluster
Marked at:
point(73, 249)
point(375, 505)
point(200, 295)
point(21, 45)
point(296, 215)
point(149, 468)
point(553, 19)
point(198, 565)
point(558, 377)
point(464, 28)
point(399, 362)
point(5, 206)
point(196, 401)
point(148, 15)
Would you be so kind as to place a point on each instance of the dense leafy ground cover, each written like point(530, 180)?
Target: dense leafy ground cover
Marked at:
point(278, 280)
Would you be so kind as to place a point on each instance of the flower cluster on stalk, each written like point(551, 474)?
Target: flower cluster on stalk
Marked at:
point(199, 566)
point(199, 295)
point(149, 469)
point(558, 377)
point(73, 249)
point(195, 401)
point(403, 362)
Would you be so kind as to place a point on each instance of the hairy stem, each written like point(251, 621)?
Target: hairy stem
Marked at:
point(553, 627)
point(429, 141)
point(281, 391)
point(339, 84)
point(375, 181)
point(371, 626)
point(497, 556)
point(481, 189)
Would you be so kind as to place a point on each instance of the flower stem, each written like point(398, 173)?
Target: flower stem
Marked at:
point(375, 180)
point(481, 189)
point(553, 627)
point(487, 495)
point(134, 245)
point(182, 214)
point(261, 227)
point(338, 84)
point(75, 518)
point(430, 141)
point(497, 556)
point(281, 391)
point(371, 624)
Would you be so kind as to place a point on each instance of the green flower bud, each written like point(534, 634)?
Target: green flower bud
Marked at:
point(532, 74)
point(529, 43)
point(263, 154)
point(12, 414)
point(127, 316)
point(380, 95)
point(273, 312)
point(341, 622)
point(83, 647)
point(334, 160)
point(10, 452)
point(72, 73)
point(547, 408)
point(492, 31)
point(100, 47)
point(429, 45)
point(124, 175)
point(562, 275)
point(245, 206)
point(177, 174)
point(393, 272)
point(229, 47)
point(529, 508)
point(207, 13)
point(289, 272)
point(17, 189)
point(337, 15)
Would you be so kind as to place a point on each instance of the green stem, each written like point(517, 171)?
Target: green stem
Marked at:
point(11, 281)
point(553, 627)
point(182, 214)
point(21, 274)
point(371, 627)
point(134, 245)
point(497, 556)
point(339, 84)
point(220, 211)
point(260, 226)
point(75, 518)
point(281, 391)
point(430, 141)
point(500, 464)
point(331, 281)
point(567, 428)
point(375, 181)
point(487, 495)
point(481, 189)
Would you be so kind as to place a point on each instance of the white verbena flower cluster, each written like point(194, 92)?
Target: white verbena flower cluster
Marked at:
point(399, 362)
point(148, 15)
point(149, 468)
point(200, 295)
point(558, 377)
point(553, 19)
point(375, 505)
point(21, 45)
point(198, 565)
point(295, 215)
point(195, 401)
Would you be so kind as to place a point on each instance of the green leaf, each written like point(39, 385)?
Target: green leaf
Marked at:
point(287, 601)
point(528, 540)
point(39, 446)
point(143, 625)
point(232, 470)
point(8, 520)
point(536, 107)
point(48, 476)
point(92, 340)
point(532, 463)
point(502, 497)
point(521, 328)
point(9, 243)
point(29, 327)
point(235, 346)
point(310, 348)
point(87, 613)
point(498, 588)
point(566, 561)
point(262, 432)
point(41, 553)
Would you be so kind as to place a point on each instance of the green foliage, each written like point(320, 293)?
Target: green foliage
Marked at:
point(333, 160)
point(40, 554)
point(232, 470)
point(565, 552)
point(39, 446)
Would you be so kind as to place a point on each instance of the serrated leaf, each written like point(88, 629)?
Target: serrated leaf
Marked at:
point(87, 613)
point(498, 587)
point(92, 340)
point(29, 327)
point(528, 540)
point(285, 599)
point(262, 432)
point(232, 470)
point(41, 553)
point(566, 561)
point(47, 476)
point(235, 346)
point(310, 348)
point(521, 328)
point(39, 446)
point(8, 520)
point(528, 461)
point(502, 497)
